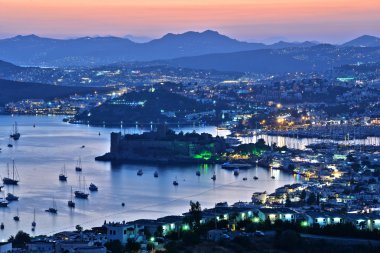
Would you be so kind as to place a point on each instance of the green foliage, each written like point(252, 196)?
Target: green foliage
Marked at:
point(114, 246)
point(20, 240)
point(132, 246)
point(195, 215)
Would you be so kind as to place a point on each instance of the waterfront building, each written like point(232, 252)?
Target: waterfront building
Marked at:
point(165, 146)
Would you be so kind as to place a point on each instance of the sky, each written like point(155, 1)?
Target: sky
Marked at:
point(248, 20)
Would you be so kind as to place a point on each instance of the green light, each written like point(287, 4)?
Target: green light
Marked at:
point(185, 227)
point(152, 239)
point(205, 155)
point(304, 224)
point(256, 220)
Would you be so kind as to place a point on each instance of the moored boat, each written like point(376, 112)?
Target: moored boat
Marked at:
point(11, 197)
point(93, 187)
point(15, 179)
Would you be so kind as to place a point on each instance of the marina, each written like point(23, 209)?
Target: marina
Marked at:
point(39, 161)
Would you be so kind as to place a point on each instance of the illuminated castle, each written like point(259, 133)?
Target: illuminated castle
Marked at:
point(164, 145)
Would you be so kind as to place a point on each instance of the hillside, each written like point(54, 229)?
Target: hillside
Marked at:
point(144, 107)
point(15, 91)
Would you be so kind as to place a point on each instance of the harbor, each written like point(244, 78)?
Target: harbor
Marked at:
point(40, 161)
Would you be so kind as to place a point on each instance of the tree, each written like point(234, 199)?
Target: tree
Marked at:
point(312, 198)
point(20, 240)
point(132, 246)
point(303, 195)
point(159, 232)
point(114, 246)
point(195, 215)
point(79, 228)
point(287, 201)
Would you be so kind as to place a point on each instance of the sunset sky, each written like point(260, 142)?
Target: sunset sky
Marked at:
point(251, 20)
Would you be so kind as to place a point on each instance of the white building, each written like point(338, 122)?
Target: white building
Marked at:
point(5, 247)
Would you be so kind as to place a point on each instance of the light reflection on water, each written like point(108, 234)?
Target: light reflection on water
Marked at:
point(42, 151)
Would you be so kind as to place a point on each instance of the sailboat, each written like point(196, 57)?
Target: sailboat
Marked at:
point(53, 209)
point(11, 197)
point(15, 135)
point(155, 174)
point(17, 217)
point(15, 179)
point(63, 175)
point(71, 203)
point(34, 219)
point(213, 176)
point(175, 182)
point(78, 167)
point(81, 194)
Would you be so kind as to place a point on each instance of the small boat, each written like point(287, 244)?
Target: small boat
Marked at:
point(140, 172)
point(175, 182)
point(53, 209)
point(3, 203)
point(123, 204)
point(10, 145)
point(99, 133)
point(213, 177)
point(245, 179)
point(34, 125)
point(2, 226)
point(255, 178)
point(63, 175)
point(198, 173)
point(71, 203)
point(10, 197)
point(78, 167)
point(83, 146)
point(34, 220)
point(17, 217)
point(81, 194)
point(156, 173)
point(93, 187)
point(15, 135)
point(273, 177)
point(14, 180)
point(236, 172)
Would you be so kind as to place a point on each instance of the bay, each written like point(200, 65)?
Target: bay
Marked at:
point(43, 150)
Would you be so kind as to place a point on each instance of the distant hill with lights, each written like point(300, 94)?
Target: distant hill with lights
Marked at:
point(12, 91)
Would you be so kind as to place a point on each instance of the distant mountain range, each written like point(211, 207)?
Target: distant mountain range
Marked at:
point(204, 50)
point(32, 50)
point(316, 58)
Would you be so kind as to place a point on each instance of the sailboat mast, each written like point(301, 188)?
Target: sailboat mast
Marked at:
point(13, 171)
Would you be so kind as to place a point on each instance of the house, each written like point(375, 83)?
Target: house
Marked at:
point(69, 245)
point(91, 249)
point(319, 218)
point(40, 247)
point(324, 218)
point(121, 231)
point(5, 247)
point(273, 214)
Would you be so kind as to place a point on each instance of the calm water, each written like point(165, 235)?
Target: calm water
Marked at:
point(42, 151)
